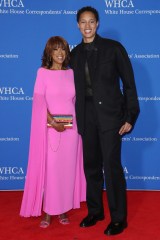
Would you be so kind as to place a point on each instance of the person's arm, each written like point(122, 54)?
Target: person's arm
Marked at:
point(59, 127)
point(33, 191)
point(129, 88)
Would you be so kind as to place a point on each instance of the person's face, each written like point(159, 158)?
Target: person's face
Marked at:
point(58, 56)
point(88, 26)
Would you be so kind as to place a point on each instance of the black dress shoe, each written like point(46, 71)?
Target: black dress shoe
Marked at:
point(91, 220)
point(115, 228)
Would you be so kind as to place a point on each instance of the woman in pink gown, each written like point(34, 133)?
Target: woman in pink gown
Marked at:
point(55, 174)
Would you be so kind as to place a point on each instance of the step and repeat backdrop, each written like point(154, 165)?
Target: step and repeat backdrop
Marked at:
point(26, 26)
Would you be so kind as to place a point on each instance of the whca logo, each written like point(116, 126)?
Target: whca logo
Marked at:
point(11, 3)
point(119, 3)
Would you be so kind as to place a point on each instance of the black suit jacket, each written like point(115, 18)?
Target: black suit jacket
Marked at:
point(108, 64)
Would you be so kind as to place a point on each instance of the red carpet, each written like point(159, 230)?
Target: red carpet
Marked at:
point(143, 221)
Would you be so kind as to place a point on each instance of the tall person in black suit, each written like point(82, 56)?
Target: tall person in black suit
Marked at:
point(104, 113)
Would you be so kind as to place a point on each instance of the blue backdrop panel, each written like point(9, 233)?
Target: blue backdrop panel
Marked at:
point(25, 28)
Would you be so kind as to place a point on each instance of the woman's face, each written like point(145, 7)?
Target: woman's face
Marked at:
point(58, 55)
point(88, 26)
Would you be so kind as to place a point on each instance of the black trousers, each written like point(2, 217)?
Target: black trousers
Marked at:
point(102, 151)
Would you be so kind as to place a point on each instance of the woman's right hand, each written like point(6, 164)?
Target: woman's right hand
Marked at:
point(59, 127)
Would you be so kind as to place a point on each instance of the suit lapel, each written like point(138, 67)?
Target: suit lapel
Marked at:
point(79, 71)
point(81, 58)
point(94, 59)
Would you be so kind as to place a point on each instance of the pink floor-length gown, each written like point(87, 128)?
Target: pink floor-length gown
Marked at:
point(55, 173)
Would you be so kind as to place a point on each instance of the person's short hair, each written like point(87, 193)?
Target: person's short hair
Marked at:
point(88, 9)
point(55, 42)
